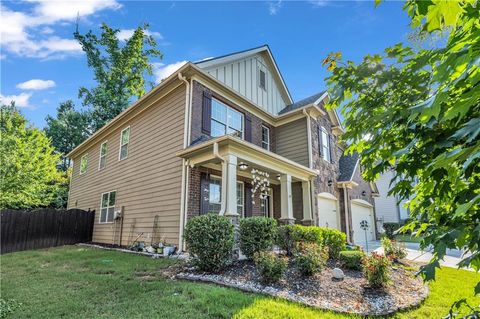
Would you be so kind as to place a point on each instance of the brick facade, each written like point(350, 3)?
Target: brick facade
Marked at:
point(195, 191)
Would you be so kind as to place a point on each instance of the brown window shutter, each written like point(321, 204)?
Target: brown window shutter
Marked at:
point(206, 113)
point(320, 144)
point(248, 200)
point(331, 147)
point(248, 128)
point(204, 193)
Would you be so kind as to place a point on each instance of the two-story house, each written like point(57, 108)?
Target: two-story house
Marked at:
point(190, 146)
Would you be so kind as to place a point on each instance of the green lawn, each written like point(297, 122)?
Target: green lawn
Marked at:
point(79, 282)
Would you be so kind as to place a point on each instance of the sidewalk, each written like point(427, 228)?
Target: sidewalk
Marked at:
point(414, 253)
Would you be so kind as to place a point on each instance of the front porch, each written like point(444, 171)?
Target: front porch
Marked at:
point(220, 180)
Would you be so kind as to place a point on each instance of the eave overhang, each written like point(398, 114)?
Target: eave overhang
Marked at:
point(230, 145)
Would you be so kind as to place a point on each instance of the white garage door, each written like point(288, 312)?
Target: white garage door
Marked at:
point(327, 211)
point(362, 211)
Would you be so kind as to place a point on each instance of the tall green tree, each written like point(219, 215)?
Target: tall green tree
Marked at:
point(120, 70)
point(418, 112)
point(67, 130)
point(28, 163)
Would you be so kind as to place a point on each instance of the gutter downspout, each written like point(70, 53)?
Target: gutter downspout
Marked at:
point(310, 165)
point(347, 224)
point(185, 169)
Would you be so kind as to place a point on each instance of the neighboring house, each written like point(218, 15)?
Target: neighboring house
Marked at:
point(389, 208)
point(189, 146)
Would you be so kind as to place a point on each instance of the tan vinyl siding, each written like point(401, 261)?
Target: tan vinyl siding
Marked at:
point(292, 141)
point(147, 182)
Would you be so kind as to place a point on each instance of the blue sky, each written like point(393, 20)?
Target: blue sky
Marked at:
point(41, 64)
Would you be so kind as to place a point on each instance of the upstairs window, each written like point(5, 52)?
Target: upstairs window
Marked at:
point(107, 207)
point(226, 120)
point(265, 137)
point(325, 144)
point(124, 141)
point(262, 77)
point(103, 156)
point(83, 164)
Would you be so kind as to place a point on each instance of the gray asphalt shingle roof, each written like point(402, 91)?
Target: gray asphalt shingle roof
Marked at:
point(347, 166)
point(301, 103)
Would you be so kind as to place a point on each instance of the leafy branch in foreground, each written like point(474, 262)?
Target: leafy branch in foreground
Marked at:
point(417, 112)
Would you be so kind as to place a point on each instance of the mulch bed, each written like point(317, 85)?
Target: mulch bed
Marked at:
point(351, 294)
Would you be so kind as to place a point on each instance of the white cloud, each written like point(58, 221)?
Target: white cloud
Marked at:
point(162, 71)
point(126, 34)
point(319, 3)
point(29, 34)
point(21, 100)
point(274, 7)
point(36, 84)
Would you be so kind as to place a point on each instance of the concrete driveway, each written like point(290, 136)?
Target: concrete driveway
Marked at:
point(414, 253)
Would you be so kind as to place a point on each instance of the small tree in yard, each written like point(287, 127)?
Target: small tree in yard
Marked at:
point(28, 164)
point(417, 111)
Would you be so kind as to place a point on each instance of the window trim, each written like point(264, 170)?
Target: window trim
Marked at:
point(100, 210)
point(243, 198)
point(268, 137)
point(100, 155)
point(128, 143)
point(81, 160)
point(325, 155)
point(227, 126)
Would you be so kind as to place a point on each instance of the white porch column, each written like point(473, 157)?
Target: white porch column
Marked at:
point(286, 199)
point(307, 205)
point(231, 186)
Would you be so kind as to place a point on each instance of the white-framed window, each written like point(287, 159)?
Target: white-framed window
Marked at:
point(107, 207)
point(215, 195)
point(102, 162)
point(265, 205)
point(226, 120)
point(240, 199)
point(325, 145)
point(124, 141)
point(83, 164)
point(266, 137)
point(262, 79)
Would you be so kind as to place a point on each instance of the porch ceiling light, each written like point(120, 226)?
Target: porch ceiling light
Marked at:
point(278, 176)
point(243, 166)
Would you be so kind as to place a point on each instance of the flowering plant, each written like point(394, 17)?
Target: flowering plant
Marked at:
point(260, 183)
point(375, 269)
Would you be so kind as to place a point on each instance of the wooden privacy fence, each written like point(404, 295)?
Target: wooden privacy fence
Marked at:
point(43, 228)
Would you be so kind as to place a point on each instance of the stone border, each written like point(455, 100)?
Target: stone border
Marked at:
point(378, 303)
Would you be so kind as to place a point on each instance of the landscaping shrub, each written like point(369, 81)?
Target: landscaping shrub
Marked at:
point(289, 235)
point(352, 259)
point(310, 258)
point(210, 240)
point(393, 249)
point(257, 234)
point(270, 266)
point(390, 229)
point(335, 240)
point(375, 269)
